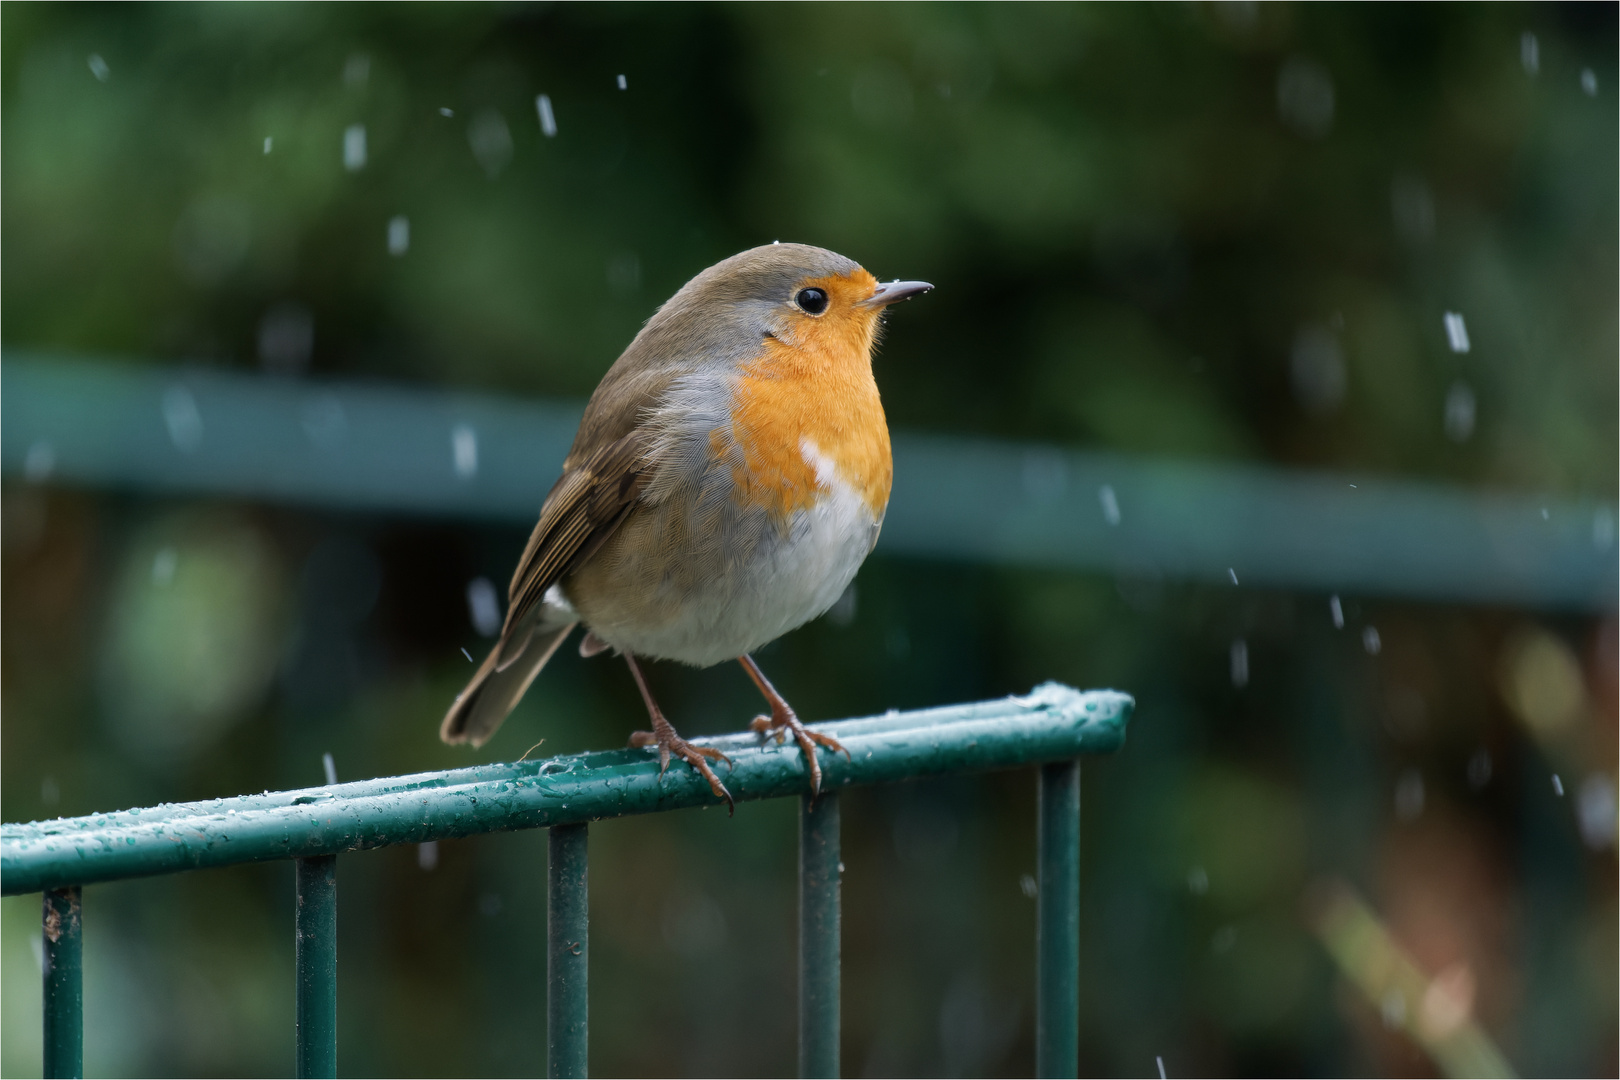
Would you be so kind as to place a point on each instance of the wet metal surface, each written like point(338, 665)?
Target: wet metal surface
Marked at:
point(1052, 723)
point(63, 941)
point(315, 956)
point(568, 951)
point(819, 935)
point(1057, 921)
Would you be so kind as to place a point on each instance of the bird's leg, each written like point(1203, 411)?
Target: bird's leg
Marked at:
point(664, 737)
point(783, 720)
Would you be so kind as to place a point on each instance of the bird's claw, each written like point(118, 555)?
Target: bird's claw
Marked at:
point(781, 723)
point(696, 756)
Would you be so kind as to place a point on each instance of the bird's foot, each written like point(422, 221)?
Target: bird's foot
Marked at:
point(784, 720)
point(669, 743)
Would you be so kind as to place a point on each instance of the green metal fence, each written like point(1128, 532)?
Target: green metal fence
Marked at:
point(393, 448)
point(1048, 729)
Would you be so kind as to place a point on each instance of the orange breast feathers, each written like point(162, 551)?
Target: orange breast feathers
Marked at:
point(810, 396)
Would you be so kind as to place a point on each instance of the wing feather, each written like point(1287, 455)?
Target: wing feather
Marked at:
point(584, 508)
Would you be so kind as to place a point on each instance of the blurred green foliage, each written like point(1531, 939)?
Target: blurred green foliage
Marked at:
point(1127, 202)
point(1218, 230)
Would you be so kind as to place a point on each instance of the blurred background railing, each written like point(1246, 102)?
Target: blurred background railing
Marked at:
point(390, 449)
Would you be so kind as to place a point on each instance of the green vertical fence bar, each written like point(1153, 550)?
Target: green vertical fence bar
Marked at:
point(568, 952)
point(64, 983)
point(818, 935)
point(1057, 918)
point(1053, 721)
point(316, 948)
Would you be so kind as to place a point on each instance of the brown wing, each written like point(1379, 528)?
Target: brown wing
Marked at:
point(587, 503)
point(583, 509)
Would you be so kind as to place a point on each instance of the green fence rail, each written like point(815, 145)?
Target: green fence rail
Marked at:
point(1050, 729)
point(385, 448)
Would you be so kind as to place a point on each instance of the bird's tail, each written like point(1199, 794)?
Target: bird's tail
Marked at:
point(500, 682)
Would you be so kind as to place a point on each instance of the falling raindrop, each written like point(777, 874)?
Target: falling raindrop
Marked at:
point(1232, 573)
point(164, 564)
point(1371, 641)
point(1198, 881)
point(1589, 82)
point(491, 141)
point(182, 418)
point(548, 119)
point(1529, 53)
point(98, 67)
point(1459, 417)
point(1110, 504)
point(1336, 609)
point(399, 235)
point(623, 83)
point(464, 451)
point(268, 141)
point(427, 855)
point(330, 766)
point(1456, 332)
point(445, 110)
point(1602, 528)
point(1558, 785)
point(354, 147)
point(1240, 663)
point(1027, 886)
point(484, 606)
point(1595, 811)
point(1479, 769)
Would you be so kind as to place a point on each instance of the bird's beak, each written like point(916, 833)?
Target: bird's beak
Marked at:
point(893, 292)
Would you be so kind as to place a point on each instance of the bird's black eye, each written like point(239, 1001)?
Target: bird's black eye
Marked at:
point(813, 301)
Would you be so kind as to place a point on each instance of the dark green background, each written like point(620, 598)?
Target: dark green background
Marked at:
point(1135, 216)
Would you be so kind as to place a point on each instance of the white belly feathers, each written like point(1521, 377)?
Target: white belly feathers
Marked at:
point(697, 576)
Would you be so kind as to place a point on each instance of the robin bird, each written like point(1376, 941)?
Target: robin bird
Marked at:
point(728, 479)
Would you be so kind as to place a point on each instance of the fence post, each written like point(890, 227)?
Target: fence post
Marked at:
point(1057, 918)
point(64, 983)
point(568, 952)
point(316, 959)
point(819, 867)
